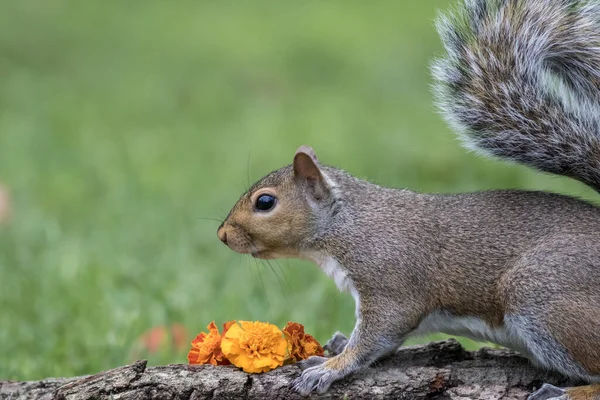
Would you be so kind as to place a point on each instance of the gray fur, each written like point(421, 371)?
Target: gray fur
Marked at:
point(500, 256)
point(521, 81)
point(336, 344)
point(544, 350)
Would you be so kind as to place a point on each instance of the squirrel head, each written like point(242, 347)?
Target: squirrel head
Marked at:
point(279, 213)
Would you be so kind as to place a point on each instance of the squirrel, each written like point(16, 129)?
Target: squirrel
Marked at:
point(519, 80)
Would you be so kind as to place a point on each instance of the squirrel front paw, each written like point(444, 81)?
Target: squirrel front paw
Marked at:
point(336, 344)
point(316, 378)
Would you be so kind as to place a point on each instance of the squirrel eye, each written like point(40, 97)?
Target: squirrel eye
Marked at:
point(265, 202)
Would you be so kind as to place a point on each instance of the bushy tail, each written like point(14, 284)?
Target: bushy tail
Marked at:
point(520, 80)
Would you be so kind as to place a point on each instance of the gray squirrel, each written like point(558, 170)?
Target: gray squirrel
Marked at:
point(520, 80)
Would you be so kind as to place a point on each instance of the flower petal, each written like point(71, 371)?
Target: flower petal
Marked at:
point(206, 348)
point(254, 346)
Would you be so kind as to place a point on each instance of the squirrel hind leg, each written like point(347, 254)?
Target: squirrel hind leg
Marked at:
point(542, 348)
point(551, 392)
point(552, 303)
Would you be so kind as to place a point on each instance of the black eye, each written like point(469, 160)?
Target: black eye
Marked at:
point(265, 202)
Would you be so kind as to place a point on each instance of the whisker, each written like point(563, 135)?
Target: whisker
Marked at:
point(211, 219)
point(240, 261)
point(285, 276)
point(259, 274)
point(248, 170)
point(255, 249)
point(223, 211)
point(262, 282)
point(264, 289)
point(286, 290)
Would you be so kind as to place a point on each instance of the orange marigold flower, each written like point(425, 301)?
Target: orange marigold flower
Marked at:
point(303, 345)
point(206, 348)
point(255, 346)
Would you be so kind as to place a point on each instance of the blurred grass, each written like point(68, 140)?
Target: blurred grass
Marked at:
point(122, 124)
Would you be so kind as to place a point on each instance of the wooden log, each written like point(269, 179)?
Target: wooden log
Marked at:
point(441, 370)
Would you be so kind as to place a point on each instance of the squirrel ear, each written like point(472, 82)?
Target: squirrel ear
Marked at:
point(306, 164)
point(306, 169)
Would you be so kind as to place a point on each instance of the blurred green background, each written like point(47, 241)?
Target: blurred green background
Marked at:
point(124, 125)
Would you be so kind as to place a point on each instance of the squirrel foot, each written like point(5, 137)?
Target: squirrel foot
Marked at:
point(317, 378)
point(336, 344)
point(549, 392)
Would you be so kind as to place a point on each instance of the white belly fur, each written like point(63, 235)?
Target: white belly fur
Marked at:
point(334, 270)
point(471, 327)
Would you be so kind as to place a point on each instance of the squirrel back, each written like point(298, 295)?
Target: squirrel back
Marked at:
point(521, 81)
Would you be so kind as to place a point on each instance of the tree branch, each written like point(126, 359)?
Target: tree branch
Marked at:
point(441, 370)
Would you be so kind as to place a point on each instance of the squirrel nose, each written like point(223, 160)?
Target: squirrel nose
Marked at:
point(222, 234)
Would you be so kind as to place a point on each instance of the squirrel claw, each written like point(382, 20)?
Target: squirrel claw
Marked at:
point(336, 344)
point(317, 378)
point(548, 392)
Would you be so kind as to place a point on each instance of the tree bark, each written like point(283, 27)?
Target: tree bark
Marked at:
point(441, 370)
